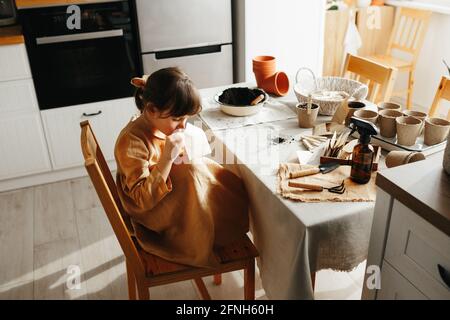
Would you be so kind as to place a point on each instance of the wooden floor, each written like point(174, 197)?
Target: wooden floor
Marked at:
point(48, 233)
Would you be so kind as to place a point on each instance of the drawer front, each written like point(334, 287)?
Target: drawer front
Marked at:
point(395, 287)
point(17, 96)
point(416, 248)
point(14, 63)
point(22, 146)
point(201, 22)
point(206, 70)
point(62, 129)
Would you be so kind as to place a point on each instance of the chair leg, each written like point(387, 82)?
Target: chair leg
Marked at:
point(313, 280)
point(131, 283)
point(202, 288)
point(143, 292)
point(249, 281)
point(218, 279)
point(410, 89)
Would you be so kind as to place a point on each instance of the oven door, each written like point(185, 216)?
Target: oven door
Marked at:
point(79, 68)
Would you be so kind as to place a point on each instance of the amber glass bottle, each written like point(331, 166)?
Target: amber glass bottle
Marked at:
point(362, 160)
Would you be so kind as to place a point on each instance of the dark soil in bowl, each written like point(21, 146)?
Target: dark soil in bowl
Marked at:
point(239, 96)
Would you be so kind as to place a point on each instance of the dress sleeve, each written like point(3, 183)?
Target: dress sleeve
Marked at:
point(141, 179)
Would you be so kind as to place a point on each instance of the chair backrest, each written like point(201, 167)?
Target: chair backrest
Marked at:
point(443, 92)
point(106, 190)
point(379, 78)
point(408, 33)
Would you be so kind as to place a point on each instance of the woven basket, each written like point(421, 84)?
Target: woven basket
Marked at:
point(328, 107)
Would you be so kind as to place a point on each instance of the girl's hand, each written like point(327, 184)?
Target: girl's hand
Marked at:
point(173, 147)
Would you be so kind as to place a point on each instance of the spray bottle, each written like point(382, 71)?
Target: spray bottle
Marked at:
point(363, 152)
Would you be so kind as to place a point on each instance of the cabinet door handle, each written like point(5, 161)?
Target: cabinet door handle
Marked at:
point(445, 275)
point(92, 114)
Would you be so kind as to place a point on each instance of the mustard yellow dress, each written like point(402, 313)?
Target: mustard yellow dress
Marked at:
point(200, 206)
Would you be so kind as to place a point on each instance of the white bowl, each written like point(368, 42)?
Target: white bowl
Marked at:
point(241, 111)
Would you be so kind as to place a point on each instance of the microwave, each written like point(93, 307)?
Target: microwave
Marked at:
point(8, 13)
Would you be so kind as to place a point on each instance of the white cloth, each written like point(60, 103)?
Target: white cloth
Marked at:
point(293, 239)
point(352, 40)
point(270, 111)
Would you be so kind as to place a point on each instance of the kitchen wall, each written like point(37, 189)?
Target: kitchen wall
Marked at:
point(430, 67)
point(290, 30)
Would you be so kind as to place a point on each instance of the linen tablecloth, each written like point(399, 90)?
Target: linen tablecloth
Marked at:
point(294, 239)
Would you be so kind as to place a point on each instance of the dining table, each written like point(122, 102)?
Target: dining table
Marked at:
point(294, 239)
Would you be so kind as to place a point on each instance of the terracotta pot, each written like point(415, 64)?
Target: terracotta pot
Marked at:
point(368, 115)
point(398, 158)
point(408, 129)
point(278, 84)
point(386, 120)
point(259, 61)
point(263, 67)
point(436, 130)
point(306, 120)
point(260, 76)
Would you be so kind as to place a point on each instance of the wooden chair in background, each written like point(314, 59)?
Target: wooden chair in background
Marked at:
point(407, 36)
point(443, 92)
point(379, 78)
point(145, 270)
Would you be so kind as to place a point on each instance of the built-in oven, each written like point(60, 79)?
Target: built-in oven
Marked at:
point(7, 12)
point(80, 61)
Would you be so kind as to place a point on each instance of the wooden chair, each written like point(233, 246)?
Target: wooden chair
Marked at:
point(379, 78)
point(407, 36)
point(145, 270)
point(443, 92)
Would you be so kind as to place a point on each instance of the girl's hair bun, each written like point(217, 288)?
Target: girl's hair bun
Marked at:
point(169, 91)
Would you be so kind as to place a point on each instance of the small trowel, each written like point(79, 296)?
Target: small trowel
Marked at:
point(324, 168)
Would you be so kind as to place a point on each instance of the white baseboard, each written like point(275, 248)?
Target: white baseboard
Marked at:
point(48, 177)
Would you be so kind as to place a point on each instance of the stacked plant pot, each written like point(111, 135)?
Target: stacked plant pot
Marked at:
point(267, 78)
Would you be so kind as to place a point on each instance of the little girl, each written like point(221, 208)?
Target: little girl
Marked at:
point(177, 211)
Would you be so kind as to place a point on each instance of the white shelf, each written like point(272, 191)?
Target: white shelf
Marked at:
point(420, 5)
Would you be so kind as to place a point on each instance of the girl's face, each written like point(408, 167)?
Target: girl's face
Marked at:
point(167, 124)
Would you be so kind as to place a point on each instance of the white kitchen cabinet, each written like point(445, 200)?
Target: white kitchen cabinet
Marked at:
point(395, 287)
point(416, 248)
point(410, 237)
point(62, 129)
point(23, 148)
point(17, 96)
point(14, 62)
